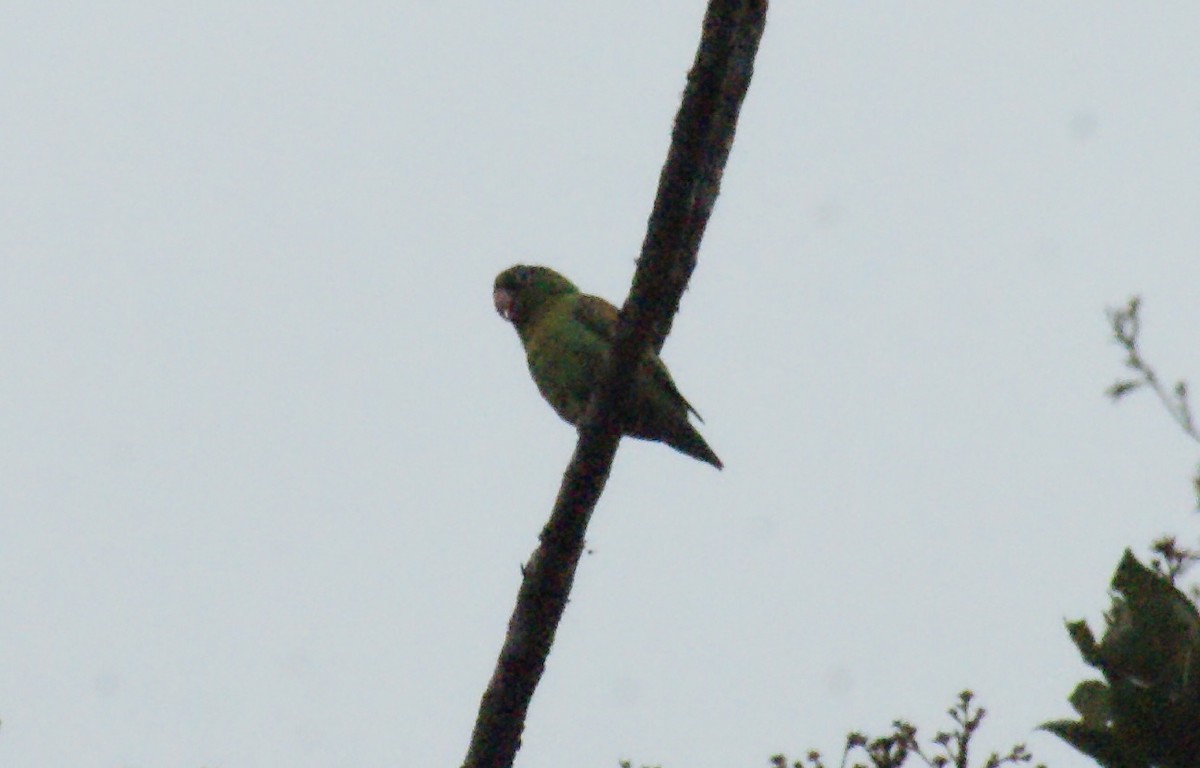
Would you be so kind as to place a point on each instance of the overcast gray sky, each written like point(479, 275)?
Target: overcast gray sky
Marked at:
point(270, 462)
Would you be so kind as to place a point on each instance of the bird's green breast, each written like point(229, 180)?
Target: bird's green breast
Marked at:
point(565, 358)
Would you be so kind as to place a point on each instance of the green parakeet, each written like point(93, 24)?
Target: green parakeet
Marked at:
point(567, 336)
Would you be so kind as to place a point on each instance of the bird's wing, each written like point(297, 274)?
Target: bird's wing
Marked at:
point(600, 317)
point(597, 315)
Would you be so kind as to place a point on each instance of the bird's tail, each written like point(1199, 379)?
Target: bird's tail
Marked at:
point(687, 440)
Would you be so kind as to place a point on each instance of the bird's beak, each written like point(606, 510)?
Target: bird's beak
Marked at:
point(503, 299)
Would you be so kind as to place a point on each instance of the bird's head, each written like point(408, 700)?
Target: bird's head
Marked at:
point(520, 291)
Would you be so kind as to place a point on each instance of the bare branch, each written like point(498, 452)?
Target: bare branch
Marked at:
point(687, 189)
point(691, 177)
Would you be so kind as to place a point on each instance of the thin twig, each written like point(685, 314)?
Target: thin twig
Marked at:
point(1126, 325)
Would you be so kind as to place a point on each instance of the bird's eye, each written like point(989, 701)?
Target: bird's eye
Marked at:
point(522, 274)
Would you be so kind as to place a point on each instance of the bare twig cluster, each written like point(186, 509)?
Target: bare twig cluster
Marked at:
point(1172, 561)
point(894, 749)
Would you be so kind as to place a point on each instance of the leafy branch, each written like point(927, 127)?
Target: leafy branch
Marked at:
point(1143, 714)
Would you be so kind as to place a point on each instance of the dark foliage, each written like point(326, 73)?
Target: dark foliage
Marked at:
point(1146, 710)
